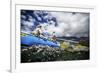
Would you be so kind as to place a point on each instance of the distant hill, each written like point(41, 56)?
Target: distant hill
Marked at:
point(82, 40)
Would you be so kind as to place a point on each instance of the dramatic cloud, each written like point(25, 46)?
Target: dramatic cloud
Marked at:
point(71, 24)
point(68, 23)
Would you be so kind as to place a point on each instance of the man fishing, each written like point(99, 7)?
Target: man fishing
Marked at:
point(38, 31)
point(53, 36)
point(41, 32)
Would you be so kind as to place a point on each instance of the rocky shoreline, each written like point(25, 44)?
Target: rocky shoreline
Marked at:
point(46, 53)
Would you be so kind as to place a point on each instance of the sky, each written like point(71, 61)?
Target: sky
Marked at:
point(62, 23)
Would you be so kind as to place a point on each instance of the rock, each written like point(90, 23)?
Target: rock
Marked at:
point(46, 53)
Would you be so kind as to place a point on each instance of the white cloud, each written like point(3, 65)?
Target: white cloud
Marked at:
point(72, 24)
